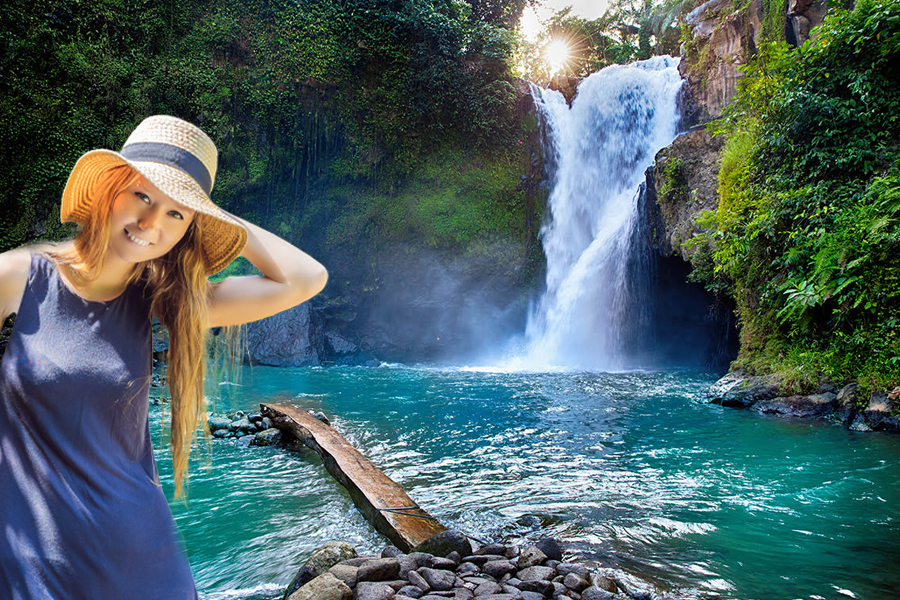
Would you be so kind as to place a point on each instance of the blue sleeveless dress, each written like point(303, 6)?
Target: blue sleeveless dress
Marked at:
point(82, 515)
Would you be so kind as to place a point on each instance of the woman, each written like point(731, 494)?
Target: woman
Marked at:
point(82, 515)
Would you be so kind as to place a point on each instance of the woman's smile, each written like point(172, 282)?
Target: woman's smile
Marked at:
point(137, 241)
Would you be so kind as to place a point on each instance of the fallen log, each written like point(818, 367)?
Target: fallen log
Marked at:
point(379, 498)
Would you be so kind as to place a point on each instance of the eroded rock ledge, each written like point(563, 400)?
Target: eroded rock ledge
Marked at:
point(879, 411)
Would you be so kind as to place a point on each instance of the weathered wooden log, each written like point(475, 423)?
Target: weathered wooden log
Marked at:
point(379, 498)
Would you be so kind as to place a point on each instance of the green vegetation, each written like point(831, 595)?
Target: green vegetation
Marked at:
point(328, 114)
point(808, 222)
point(674, 185)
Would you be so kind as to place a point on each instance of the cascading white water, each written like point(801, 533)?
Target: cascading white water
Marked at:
point(596, 296)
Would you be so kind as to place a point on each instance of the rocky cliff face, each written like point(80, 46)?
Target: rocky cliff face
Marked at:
point(685, 183)
point(722, 39)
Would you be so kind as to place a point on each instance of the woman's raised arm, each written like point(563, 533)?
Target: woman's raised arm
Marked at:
point(290, 276)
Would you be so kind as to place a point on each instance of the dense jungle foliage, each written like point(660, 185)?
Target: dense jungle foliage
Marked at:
point(332, 117)
point(808, 222)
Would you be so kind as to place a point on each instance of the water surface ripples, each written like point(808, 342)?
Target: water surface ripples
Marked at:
point(627, 468)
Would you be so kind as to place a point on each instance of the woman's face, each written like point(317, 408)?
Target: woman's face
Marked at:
point(145, 223)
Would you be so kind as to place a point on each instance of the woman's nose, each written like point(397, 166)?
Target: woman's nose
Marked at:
point(149, 219)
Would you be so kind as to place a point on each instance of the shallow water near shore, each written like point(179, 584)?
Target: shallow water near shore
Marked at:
point(627, 469)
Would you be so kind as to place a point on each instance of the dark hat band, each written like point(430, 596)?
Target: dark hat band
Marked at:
point(173, 156)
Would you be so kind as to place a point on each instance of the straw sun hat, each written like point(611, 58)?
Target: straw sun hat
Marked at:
point(180, 160)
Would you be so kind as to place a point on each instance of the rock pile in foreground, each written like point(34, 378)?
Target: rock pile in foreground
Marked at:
point(248, 429)
point(491, 572)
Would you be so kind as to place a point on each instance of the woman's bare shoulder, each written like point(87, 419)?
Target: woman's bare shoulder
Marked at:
point(14, 268)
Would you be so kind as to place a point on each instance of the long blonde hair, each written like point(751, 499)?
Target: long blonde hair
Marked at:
point(178, 287)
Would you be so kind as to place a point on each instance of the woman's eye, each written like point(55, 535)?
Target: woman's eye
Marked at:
point(143, 197)
point(177, 215)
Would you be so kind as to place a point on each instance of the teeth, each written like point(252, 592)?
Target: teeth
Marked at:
point(137, 241)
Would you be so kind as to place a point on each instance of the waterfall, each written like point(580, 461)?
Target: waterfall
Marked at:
point(596, 309)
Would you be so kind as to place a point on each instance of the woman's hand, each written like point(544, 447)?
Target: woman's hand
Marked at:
point(290, 276)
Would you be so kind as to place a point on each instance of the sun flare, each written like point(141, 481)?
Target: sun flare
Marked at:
point(557, 55)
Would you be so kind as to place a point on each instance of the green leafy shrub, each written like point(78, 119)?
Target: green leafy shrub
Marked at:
point(807, 224)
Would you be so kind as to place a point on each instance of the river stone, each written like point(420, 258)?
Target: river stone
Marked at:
point(446, 542)
point(466, 568)
point(532, 596)
point(410, 591)
point(373, 590)
point(550, 547)
point(221, 433)
point(345, 573)
point(481, 559)
point(245, 440)
point(318, 414)
point(575, 582)
point(380, 569)
point(815, 405)
point(422, 559)
point(404, 597)
point(330, 554)
point(595, 593)
point(304, 575)
point(511, 589)
point(498, 568)
point(357, 561)
point(217, 423)
point(541, 586)
point(488, 587)
point(455, 557)
point(240, 425)
point(461, 593)
point(561, 590)
point(437, 579)
point(477, 580)
point(417, 580)
point(392, 552)
point(407, 564)
point(268, 437)
point(530, 557)
point(323, 587)
point(500, 597)
point(444, 564)
point(396, 583)
point(498, 549)
point(580, 570)
point(604, 583)
point(537, 573)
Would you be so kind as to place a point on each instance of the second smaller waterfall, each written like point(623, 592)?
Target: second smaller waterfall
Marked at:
point(596, 307)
